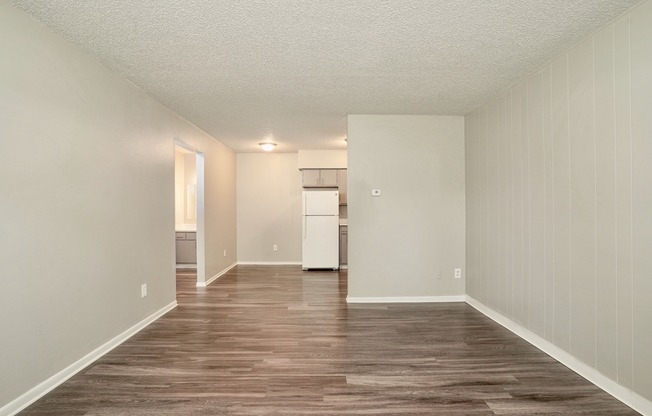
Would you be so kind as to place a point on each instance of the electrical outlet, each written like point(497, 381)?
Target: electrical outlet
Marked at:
point(458, 273)
point(376, 192)
point(143, 290)
point(275, 247)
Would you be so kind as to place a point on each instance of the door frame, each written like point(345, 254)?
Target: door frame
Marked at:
point(201, 236)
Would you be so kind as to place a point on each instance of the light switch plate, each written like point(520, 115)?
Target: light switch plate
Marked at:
point(376, 192)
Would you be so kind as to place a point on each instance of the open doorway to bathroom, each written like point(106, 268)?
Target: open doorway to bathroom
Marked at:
point(188, 209)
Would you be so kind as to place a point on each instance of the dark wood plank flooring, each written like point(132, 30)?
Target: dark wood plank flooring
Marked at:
point(279, 341)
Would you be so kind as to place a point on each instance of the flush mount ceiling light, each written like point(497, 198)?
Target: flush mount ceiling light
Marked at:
point(267, 146)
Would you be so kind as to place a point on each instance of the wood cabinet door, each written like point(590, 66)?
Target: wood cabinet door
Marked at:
point(344, 246)
point(329, 177)
point(341, 185)
point(311, 177)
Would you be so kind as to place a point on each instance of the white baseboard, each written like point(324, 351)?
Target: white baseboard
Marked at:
point(269, 263)
point(404, 299)
point(51, 383)
point(624, 394)
point(212, 279)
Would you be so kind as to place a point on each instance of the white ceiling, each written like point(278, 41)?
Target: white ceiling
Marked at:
point(242, 70)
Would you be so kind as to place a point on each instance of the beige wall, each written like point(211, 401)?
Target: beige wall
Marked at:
point(559, 202)
point(400, 242)
point(219, 206)
point(86, 203)
point(269, 208)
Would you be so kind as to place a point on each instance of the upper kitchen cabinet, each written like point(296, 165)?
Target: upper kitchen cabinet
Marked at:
point(315, 178)
point(324, 169)
point(311, 177)
point(341, 184)
point(326, 178)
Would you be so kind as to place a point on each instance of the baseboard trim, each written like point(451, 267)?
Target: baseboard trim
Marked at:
point(404, 299)
point(217, 276)
point(624, 394)
point(53, 382)
point(269, 263)
point(186, 266)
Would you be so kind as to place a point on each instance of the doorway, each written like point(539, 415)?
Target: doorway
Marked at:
point(189, 210)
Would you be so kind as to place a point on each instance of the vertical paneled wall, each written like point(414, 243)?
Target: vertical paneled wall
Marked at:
point(559, 202)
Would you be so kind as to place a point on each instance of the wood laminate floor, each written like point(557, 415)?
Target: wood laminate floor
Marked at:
point(279, 341)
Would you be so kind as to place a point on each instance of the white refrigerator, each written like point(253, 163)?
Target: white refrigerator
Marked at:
point(320, 215)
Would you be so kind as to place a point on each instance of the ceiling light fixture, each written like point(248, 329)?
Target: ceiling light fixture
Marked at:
point(267, 146)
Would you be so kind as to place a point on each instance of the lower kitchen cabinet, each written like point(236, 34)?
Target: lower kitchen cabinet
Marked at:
point(344, 245)
point(186, 247)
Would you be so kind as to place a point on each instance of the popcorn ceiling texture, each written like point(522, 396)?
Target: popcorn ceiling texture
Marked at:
point(241, 70)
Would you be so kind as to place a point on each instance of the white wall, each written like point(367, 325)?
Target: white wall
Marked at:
point(322, 159)
point(86, 203)
point(185, 188)
point(401, 241)
point(269, 208)
point(179, 187)
point(559, 202)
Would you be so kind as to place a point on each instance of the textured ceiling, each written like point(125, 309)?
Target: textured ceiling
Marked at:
point(242, 70)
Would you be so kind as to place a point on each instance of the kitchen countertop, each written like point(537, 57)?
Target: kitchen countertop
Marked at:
point(185, 227)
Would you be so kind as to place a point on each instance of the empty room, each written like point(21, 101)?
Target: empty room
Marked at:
point(328, 208)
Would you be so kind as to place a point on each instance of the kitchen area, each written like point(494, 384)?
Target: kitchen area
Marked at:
point(324, 212)
point(269, 204)
point(325, 227)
